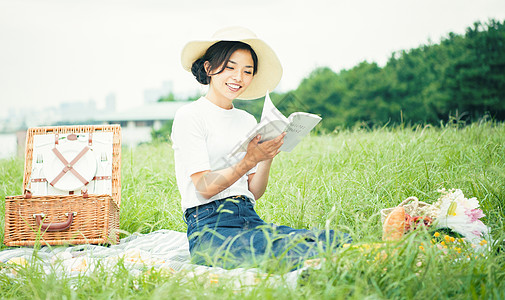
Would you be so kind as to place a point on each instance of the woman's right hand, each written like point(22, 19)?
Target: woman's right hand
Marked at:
point(257, 152)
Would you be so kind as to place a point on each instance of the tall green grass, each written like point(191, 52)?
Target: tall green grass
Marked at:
point(341, 180)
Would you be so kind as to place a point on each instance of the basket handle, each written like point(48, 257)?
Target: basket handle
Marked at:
point(54, 226)
point(413, 199)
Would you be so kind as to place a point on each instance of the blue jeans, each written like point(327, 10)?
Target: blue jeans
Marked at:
point(229, 233)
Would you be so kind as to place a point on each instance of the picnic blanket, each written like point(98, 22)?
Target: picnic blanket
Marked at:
point(164, 250)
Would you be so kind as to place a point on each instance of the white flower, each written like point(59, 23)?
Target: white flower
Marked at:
point(454, 203)
point(474, 232)
point(460, 214)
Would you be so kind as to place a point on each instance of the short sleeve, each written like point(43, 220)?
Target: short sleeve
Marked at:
point(253, 170)
point(188, 138)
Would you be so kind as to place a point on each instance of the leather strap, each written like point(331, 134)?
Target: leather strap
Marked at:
point(39, 180)
point(27, 194)
point(69, 166)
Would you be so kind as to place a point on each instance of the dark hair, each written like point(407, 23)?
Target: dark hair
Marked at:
point(218, 55)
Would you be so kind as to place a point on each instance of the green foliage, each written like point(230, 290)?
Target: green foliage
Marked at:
point(162, 134)
point(342, 181)
point(461, 76)
point(253, 107)
point(167, 98)
point(11, 183)
point(172, 97)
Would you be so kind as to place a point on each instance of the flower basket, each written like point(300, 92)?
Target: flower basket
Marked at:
point(451, 211)
point(413, 207)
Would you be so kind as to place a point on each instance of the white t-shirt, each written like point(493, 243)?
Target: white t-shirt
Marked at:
point(203, 136)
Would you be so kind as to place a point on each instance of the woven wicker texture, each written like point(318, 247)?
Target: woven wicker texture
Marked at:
point(97, 216)
point(413, 207)
point(96, 220)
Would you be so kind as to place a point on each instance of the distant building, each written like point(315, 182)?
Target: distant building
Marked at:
point(167, 87)
point(154, 94)
point(151, 95)
point(110, 102)
point(138, 122)
point(77, 111)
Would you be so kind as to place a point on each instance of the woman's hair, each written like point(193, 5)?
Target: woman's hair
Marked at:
point(218, 55)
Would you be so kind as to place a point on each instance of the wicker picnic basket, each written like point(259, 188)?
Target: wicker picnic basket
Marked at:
point(68, 218)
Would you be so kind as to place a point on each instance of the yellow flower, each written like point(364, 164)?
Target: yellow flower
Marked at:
point(436, 234)
point(21, 261)
point(421, 247)
point(447, 238)
point(452, 239)
point(214, 278)
point(483, 242)
point(443, 243)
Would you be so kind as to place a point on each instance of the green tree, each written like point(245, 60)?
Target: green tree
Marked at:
point(476, 76)
point(463, 74)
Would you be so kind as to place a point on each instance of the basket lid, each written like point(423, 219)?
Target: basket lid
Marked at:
point(59, 161)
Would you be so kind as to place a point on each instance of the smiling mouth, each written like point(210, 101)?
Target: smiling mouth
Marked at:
point(234, 87)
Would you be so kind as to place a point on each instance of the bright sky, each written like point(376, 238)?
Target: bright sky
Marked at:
point(55, 51)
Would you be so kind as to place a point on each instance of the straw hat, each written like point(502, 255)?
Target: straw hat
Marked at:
point(269, 67)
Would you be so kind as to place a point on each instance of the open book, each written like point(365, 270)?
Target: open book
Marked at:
point(273, 123)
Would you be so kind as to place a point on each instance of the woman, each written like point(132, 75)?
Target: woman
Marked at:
point(218, 191)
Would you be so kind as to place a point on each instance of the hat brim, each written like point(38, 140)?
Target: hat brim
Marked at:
point(269, 71)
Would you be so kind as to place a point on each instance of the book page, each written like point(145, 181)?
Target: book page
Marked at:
point(270, 112)
point(300, 124)
point(267, 130)
point(273, 123)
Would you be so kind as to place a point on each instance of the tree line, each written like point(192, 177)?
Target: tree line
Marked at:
point(462, 77)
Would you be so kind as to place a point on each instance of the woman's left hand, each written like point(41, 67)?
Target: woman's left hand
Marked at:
point(257, 152)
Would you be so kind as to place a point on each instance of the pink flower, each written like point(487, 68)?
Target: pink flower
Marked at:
point(474, 214)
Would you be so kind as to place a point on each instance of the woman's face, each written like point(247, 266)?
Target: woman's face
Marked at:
point(235, 78)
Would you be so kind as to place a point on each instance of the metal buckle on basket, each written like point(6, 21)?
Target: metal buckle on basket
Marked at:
point(44, 215)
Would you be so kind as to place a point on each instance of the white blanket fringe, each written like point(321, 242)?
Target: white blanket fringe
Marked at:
point(165, 250)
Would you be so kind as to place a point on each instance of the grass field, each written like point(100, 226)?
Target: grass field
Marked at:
point(341, 181)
